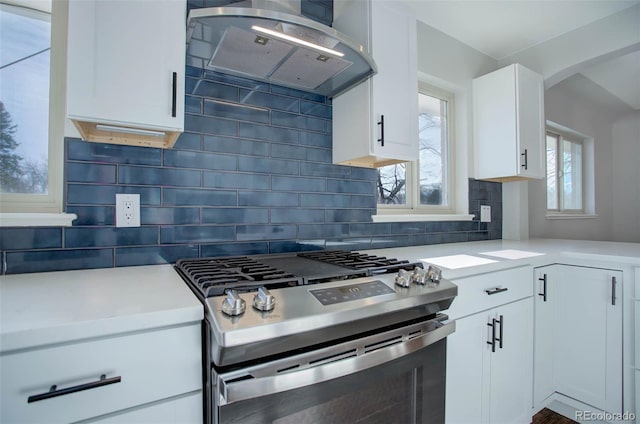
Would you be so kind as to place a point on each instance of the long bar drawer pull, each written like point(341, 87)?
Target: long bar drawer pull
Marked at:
point(174, 95)
point(54, 392)
point(495, 290)
point(381, 123)
point(613, 291)
point(492, 343)
point(544, 287)
point(501, 322)
point(525, 165)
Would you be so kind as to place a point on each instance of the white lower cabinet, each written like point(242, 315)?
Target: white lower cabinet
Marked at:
point(637, 348)
point(91, 378)
point(489, 357)
point(578, 335)
point(638, 392)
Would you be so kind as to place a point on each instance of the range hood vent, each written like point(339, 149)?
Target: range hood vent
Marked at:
point(268, 40)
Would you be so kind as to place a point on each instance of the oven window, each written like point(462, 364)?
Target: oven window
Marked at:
point(405, 390)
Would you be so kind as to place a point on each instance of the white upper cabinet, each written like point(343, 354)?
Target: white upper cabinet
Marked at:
point(508, 124)
point(125, 75)
point(376, 123)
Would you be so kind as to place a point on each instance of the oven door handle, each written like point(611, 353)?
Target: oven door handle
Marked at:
point(244, 389)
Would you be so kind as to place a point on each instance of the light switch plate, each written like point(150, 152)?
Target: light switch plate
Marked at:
point(485, 213)
point(127, 210)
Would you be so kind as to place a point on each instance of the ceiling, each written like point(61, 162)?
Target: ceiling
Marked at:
point(500, 29)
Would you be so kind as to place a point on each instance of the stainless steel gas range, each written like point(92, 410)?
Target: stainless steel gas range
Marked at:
point(322, 337)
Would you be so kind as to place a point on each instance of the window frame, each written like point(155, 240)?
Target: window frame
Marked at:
point(560, 195)
point(588, 175)
point(413, 207)
point(46, 209)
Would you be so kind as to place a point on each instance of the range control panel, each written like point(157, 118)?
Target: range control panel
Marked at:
point(351, 292)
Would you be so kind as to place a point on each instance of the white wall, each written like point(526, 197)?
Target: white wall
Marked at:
point(626, 178)
point(451, 65)
point(566, 55)
point(566, 104)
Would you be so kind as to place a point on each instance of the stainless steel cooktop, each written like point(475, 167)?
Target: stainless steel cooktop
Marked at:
point(257, 306)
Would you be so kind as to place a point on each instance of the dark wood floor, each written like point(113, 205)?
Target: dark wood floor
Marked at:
point(547, 416)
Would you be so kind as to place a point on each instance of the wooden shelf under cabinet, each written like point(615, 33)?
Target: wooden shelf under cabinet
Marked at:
point(118, 134)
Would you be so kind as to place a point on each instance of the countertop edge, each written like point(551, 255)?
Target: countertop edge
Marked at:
point(44, 309)
point(101, 328)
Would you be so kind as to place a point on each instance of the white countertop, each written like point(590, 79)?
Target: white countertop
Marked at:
point(493, 255)
point(56, 307)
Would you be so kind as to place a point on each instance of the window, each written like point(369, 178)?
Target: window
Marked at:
point(564, 173)
point(32, 98)
point(424, 185)
point(24, 103)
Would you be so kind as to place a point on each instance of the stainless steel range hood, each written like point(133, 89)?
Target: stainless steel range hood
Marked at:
point(269, 40)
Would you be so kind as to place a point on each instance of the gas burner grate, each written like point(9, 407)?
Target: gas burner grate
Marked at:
point(354, 260)
point(213, 276)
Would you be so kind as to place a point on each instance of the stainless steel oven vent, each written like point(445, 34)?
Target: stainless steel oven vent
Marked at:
point(270, 41)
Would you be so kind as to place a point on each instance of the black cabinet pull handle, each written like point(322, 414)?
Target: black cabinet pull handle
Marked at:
point(501, 322)
point(492, 324)
point(544, 287)
point(55, 392)
point(381, 123)
point(525, 165)
point(613, 291)
point(174, 98)
point(495, 290)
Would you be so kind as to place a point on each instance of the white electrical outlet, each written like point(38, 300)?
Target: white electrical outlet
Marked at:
point(127, 210)
point(485, 213)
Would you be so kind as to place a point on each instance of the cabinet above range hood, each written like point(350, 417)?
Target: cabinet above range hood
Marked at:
point(269, 40)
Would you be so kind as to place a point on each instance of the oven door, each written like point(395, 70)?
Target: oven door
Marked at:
point(394, 376)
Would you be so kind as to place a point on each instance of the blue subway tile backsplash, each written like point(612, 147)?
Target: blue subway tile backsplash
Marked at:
point(110, 236)
point(30, 238)
point(251, 174)
point(78, 150)
point(57, 260)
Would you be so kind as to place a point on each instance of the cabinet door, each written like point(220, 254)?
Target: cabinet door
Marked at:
point(508, 124)
point(122, 57)
point(531, 134)
point(390, 96)
point(511, 376)
point(486, 383)
point(465, 368)
point(543, 384)
point(395, 86)
point(588, 335)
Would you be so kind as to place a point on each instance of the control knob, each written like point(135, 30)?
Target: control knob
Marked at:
point(434, 274)
point(263, 300)
point(403, 279)
point(233, 305)
point(419, 276)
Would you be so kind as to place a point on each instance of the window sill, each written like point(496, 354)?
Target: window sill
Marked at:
point(571, 216)
point(421, 217)
point(37, 219)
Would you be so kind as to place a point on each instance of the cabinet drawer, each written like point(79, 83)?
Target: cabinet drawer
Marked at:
point(182, 410)
point(486, 291)
point(151, 365)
